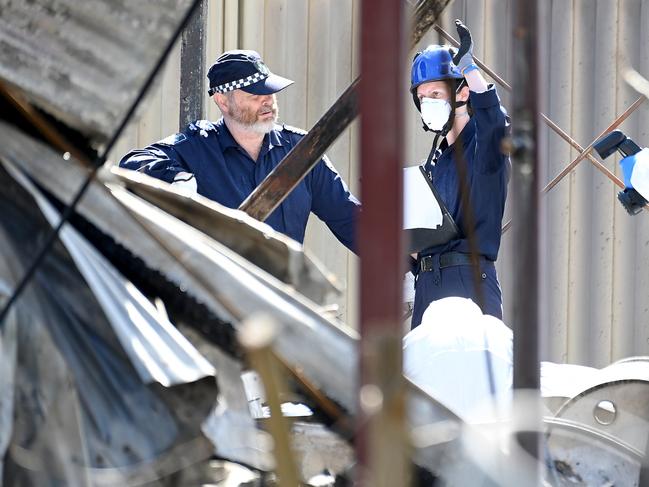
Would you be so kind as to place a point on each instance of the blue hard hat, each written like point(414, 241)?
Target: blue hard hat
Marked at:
point(435, 63)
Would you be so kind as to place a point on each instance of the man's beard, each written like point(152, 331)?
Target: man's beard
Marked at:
point(248, 119)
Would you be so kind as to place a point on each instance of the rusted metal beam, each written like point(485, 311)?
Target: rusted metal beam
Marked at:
point(382, 447)
point(305, 155)
point(425, 15)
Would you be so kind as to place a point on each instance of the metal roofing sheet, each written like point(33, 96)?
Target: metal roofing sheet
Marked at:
point(84, 62)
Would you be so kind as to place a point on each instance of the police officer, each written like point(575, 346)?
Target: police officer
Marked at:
point(464, 112)
point(225, 161)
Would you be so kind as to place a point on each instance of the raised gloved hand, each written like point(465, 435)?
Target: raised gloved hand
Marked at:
point(464, 57)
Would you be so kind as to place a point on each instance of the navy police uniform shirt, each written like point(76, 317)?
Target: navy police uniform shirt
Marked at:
point(225, 173)
point(488, 172)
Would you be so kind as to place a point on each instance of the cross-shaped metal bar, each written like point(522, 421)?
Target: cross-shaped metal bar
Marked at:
point(586, 152)
point(581, 150)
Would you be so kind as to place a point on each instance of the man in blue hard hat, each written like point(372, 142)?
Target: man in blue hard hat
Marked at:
point(469, 171)
point(225, 161)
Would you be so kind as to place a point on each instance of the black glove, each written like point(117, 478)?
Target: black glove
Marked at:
point(464, 57)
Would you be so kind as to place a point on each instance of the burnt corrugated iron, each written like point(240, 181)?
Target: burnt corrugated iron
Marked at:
point(91, 405)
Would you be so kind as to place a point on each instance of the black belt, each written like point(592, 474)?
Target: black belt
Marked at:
point(449, 259)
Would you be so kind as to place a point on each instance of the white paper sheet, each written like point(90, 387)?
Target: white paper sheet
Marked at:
point(420, 208)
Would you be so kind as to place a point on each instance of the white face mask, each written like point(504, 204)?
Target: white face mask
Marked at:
point(435, 113)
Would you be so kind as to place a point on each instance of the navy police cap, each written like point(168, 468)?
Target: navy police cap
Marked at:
point(243, 70)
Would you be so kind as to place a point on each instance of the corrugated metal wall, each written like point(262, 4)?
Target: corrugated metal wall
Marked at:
point(596, 264)
point(597, 289)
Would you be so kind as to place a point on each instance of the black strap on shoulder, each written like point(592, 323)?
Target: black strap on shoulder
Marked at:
point(432, 155)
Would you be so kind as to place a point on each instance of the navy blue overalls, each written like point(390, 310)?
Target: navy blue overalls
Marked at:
point(445, 270)
point(226, 174)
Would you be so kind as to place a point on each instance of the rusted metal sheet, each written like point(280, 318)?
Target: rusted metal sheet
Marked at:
point(84, 62)
point(381, 445)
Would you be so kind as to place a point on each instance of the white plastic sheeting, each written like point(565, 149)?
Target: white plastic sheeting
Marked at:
point(447, 357)
point(450, 355)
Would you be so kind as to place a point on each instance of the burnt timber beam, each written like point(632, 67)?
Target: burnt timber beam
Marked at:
point(192, 67)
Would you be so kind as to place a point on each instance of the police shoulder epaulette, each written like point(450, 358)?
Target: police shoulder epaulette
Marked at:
point(295, 130)
point(173, 139)
point(200, 127)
